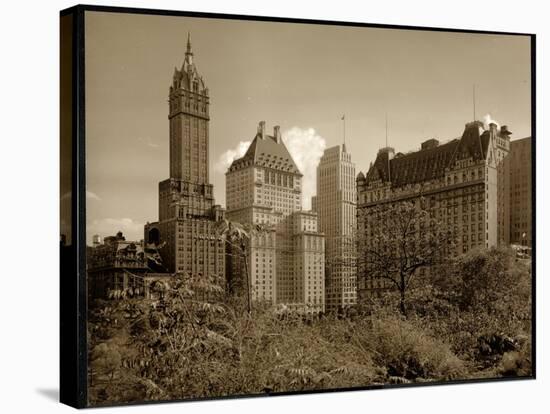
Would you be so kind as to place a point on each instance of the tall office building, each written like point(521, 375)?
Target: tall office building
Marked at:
point(287, 261)
point(335, 204)
point(186, 230)
point(462, 181)
point(502, 156)
point(521, 190)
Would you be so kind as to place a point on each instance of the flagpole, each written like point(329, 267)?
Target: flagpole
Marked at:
point(344, 119)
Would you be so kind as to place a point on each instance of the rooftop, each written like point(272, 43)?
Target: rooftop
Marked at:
point(431, 160)
point(267, 151)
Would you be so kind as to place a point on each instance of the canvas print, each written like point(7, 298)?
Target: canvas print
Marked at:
point(278, 206)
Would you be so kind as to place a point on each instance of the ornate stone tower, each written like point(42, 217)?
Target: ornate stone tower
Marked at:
point(185, 232)
point(189, 117)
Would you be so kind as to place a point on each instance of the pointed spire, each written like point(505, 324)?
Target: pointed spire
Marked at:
point(189, 52)
point(189, 43)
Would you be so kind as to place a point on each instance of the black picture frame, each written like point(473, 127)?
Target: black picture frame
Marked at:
point(73, 291)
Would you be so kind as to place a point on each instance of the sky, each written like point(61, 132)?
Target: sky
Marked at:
point(302, 77)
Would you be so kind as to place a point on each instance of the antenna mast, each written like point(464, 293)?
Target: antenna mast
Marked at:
point(387, 149)
point(386, 129)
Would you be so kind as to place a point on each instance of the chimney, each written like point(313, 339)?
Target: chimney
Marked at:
point(261, 129)
point(96, 239)
point(428, 144)
point(504, 131)
point(387, 150)
point(277, 133)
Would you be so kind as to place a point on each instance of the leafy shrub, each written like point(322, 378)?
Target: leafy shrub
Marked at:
point(517, 363)
point(409, 352)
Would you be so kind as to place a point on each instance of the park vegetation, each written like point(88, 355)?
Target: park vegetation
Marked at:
point(468, 317)
point(194, 342)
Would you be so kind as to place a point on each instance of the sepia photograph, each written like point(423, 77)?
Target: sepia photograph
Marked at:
point(279, 206)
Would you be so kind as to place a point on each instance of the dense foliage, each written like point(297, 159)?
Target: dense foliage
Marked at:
point(471, 322)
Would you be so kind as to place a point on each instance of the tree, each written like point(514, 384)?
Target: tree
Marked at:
point(489, 280)
point(238, 236)
point(105, 359)
point(168, 343)
point(483, 306)
point(400, 239)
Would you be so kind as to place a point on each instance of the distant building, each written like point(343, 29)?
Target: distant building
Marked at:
point(186, 230)
point(120, 267)
point(96, 240)
point(287, 261)
point(503, 182)
point(521, 190)
point(335, 204)
point(461, 180)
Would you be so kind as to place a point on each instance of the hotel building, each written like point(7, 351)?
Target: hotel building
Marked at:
point(186, 229)
point(287, 260)
point(461, 180)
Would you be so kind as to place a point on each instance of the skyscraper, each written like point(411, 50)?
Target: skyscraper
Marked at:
point(185, 231)
point(521, 188)
point(335, 204)
point(502, 157)
point(286, 262)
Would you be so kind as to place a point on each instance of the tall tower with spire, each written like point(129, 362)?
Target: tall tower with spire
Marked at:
point(185, 232)
point(189, 118)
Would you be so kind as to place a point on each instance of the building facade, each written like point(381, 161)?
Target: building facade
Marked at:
point(186, 230)
point(502, 155)
point(118, 268)
point(461, 181)
point(335, 204)
point(521, 190)
point(286, 261)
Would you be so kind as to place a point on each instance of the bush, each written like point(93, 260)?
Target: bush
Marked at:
point(409, 352)
point(517, 363)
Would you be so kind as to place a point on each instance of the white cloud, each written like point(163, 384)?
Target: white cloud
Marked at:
point(92, 196)
point(147, 141)
point(110, 226)
point(306, 148)
point(225, 159)
point(487, 120)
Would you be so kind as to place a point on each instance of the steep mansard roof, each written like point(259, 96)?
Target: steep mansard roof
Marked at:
point(430, 163)
point(267, 152)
